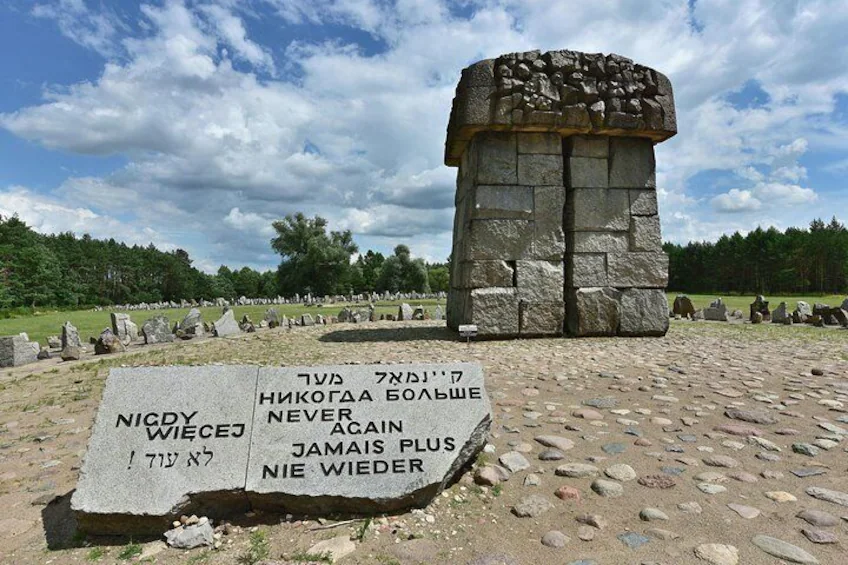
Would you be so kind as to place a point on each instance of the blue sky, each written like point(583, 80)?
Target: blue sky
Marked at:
point(195, 124)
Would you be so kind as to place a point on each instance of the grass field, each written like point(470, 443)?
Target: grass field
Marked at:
point(43, 324)
point(40, 325)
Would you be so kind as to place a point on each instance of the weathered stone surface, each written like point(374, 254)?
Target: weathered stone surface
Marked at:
point(540, 143)
point(532, 506)
point(828, 495)
point(645, 233)
point(71, 353)
point(70, 335)
point(108, 343)
point(631, 163)
point(157, 330)
point(549, 205)
point(307, 320)
point(418, 445)
point(494, 311)
point(130, 483)
point(540, 170)
point(587, 172)
point(500, 239)
point(716, 311)
point(598, 209)
point(593, 312)
point(643, 312)
point(541, 318)
point(587, 146)
point(189, 537)
point(717, 554)
point(226, 325)
point(17, 350)
point(539, 281)
point(497, 158)
point(586, 270)
point(503, 202)
point(643, 202)
point(272, 317)
point(482, 274)
point(191, 326)
point(751, 416)
point(598, 242)
point(647, 270)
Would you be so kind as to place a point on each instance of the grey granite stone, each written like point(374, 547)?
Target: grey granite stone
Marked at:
point(500, 239)
point(167, 441)
point(645, 233)
point(542, 318)
point(539, 281)
point(643, 202)
point(497, 158)
point(503, 201)
point(70, 336)
point(587, 172)
point(598, 209)
point(226, 325)
point(593, 312)
point(482, 274)
point(157, 330)
point(494, 311)
point(540, 170)
point(598, 242)
point(631, 163)
point(649, 270)
point(549, 209)
point(382, 437)
point(540, 143)
point(17, 350)
point(643, 312)
point(587, 146)
point(586, 269)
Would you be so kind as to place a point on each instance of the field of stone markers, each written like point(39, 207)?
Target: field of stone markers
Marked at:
point(717, 444)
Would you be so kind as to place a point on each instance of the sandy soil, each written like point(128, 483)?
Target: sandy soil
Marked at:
point(669, 396)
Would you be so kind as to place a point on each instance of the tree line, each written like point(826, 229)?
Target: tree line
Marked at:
point(67, 271)
point(765, 261)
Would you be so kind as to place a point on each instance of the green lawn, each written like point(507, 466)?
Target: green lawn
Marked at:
point(43, 324)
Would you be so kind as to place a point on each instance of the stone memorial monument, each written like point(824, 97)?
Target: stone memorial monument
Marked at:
point(556, 227)
point(219, 440)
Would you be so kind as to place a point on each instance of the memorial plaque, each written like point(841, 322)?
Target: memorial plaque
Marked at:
point(220, 440)
point(363, 438)
point(166, 440)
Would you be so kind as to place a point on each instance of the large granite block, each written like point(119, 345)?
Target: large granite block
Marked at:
point(167, 441)
point(542, 318)
point(503, 201)
point(645, 233)
point(540, 281)
point(598, 242)
point(474, 108)
point(586, 269)
point(593, 312)
point(631, 163)
point(482, 274)
point(540, 143)
point(643, 202)
point(596, 146)
point(587, 172)
point(500, 239)
point(549, 242)
point(17, 350)
point(643, 312)
point(540, 170)
point(497, 158)
point(363, 438)
point(494, 311)
point(647, 270)
point(598, 209)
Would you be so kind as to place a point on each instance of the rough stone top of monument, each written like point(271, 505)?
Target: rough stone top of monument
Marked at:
point(563, 91)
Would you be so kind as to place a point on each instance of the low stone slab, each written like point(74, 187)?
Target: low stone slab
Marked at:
point(166, 441)
point(363, 438)
point(16, 350)
point(220, 440)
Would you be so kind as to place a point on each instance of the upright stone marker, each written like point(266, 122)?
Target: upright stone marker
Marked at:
point(363, 438)
point(167, 440)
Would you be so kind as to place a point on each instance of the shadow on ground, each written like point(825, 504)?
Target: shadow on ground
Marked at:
point(427, 333)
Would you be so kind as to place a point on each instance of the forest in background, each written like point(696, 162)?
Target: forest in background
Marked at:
point(67, 271)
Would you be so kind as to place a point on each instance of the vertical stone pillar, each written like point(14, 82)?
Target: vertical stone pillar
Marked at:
point(616, 271)
point(508, 246)
point(556, 225)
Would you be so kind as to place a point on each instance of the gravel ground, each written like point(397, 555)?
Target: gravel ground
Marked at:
point(719, 443)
